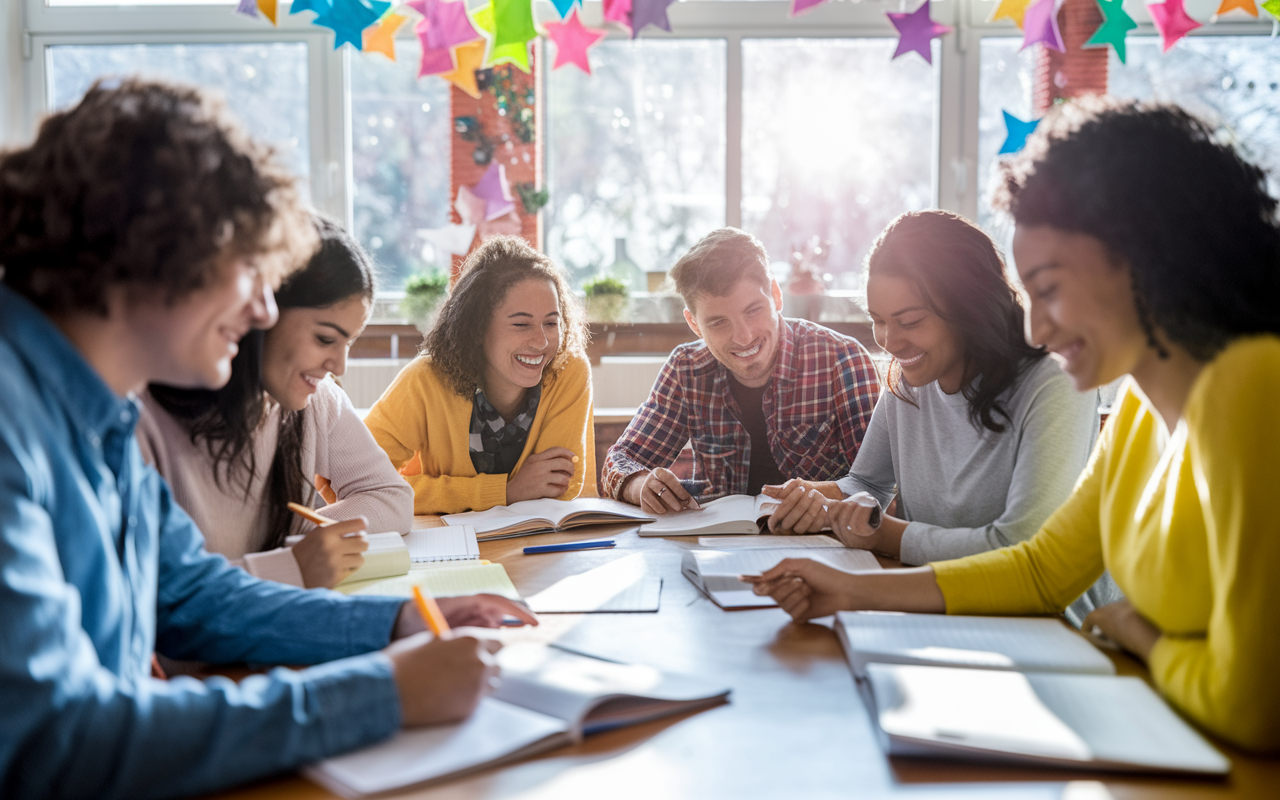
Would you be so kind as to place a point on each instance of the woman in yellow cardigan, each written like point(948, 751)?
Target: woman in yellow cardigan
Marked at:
point(497, 409)
point(1147, 248)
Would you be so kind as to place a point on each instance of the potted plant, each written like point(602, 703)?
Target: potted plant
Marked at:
point(423, 294)
point(606, 299)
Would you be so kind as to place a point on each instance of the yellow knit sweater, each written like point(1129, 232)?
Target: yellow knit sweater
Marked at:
point(1188, 526)
point(424, 426)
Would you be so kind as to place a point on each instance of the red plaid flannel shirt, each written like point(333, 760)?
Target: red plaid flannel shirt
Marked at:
point(820, 399)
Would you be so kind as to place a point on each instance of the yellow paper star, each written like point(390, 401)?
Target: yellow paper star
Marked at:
point(468, 57)
point(1014, 10)
point(268, 9)
point(381, 38)
point(1247, 6)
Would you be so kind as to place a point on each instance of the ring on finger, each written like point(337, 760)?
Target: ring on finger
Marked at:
point(660, 491)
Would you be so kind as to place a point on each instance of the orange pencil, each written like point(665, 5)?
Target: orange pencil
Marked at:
point(431, 613)
point(310, 515)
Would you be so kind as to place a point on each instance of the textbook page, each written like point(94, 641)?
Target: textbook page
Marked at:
point(549, 511)
point(444, 543)
point(768, 541)
point(716, 572)
point(1029, 644)
point(735, 514)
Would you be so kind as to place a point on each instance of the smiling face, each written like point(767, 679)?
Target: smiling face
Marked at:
point(908, 329)
point(522, 339)
point(306, 345)
point(741, 329)
point(1081, 305)
point(190, 343)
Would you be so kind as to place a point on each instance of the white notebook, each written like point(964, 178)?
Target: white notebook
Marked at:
point(548, 697)
point(735, 514)
point(445, 543)
point(1096, 722)
point(1028, 644)
point(715, 572)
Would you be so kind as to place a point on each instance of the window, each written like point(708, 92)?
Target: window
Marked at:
point(400, 162)
point(264, 84)
point(635, 152)
point(831, 156)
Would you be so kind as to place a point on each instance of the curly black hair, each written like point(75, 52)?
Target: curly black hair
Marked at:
point(456, 340)
point(144, 183)
point(1169, 197)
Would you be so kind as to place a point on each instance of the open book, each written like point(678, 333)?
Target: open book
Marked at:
point(715, 572)
point(548, 697)
point(546, 516)
point(737, 513)
point(391, 554)
point(1096, 722)
point(1026, 644)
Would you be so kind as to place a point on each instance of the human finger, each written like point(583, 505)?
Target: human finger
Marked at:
point(813, 518)
point(667, 490)
point(554, 452)
point(792, 492)
point(801, 505)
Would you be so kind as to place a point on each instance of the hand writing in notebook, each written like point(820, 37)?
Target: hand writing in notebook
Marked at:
point(441, 680)
point(660, 491)
point(329, 553)
point(476, 611)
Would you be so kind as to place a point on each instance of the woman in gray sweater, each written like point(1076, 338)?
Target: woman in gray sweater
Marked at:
point(980, 435)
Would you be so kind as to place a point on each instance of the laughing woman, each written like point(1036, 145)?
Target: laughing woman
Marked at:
point(1131, 272)
point(497, 409)
point(237, 456)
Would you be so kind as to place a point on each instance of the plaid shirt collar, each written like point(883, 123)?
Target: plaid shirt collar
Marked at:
point(704, 364)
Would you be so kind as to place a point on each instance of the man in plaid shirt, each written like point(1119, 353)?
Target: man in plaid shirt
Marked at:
point(763, 399)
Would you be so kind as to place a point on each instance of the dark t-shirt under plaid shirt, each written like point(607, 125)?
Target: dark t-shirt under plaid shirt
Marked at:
point(816, 406)
point(496, 444)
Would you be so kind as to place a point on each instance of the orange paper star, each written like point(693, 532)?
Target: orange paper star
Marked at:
point(468, 58)
point(1247, 6)
point(268, 9)
point(381, 38)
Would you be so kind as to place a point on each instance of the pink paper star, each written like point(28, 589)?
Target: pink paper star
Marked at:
point(800, 6)
point(1041, 25)
point(572, 40)
point(449, 25)
point(435, 60)
point(618, 11)
point(495, 190)
point(915, 31)
point(1170, 18)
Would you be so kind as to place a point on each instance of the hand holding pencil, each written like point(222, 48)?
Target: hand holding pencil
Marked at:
point(331, 552)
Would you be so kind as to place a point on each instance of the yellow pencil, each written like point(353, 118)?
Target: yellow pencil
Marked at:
point(431, 614)
point(310, 515)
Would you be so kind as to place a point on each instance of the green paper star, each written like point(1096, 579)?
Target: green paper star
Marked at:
point(504, 23)
point(1273, 8)
point(1116, 26)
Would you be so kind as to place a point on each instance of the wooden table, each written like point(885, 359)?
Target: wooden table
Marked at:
point(794, 727)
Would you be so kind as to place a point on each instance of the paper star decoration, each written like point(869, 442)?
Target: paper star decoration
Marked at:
point(1115, 26)
point(381, 38)
point(1041, 25)
point(1017, 132)
point(1011, 9)
point(495, 190)
point(572, 40)
point(469, 207)
point(564, 6)
point(513, 25)
point(469, 57)
point(1170, 18)
point(348, 19)
point(1247, 6)
point(649, 12)
point(508, 52)
point(452, 239)
point(248, 8)
point(318, 6)
point(916, 30)
point(1273, 8)
point(434, 60)
point(446, 24)
point(618, 11)
point(800, 6)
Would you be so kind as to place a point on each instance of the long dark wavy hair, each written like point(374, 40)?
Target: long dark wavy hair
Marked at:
point(1170, 198)
point(226, 421)
point(961, 277)
point(456, 340)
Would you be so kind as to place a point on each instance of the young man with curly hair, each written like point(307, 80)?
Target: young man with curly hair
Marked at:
point(140, 237)
point(497, 409)
point(763, 399)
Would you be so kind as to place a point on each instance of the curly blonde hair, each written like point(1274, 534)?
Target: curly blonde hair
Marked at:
point(456, 341)
point(144, 183)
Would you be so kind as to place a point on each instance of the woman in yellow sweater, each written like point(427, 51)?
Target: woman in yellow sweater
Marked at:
point(497, 409)
point(1148, 249)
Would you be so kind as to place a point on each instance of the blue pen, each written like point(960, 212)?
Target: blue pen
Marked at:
point(560, 548)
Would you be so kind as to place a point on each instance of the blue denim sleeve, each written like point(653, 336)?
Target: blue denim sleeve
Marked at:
point(72, 727)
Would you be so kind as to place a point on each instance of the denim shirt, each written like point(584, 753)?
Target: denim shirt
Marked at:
point(99, 568)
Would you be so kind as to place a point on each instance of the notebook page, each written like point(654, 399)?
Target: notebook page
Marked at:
point(624, 585)
point(767, 541)
point(753, 561)
point(443, 582)
point(448, 543)
point(1037, 644)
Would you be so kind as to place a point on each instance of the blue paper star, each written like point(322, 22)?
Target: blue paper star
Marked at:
point(318, 6)
point(1018, 131)
point(563, 7)
point(348, 18)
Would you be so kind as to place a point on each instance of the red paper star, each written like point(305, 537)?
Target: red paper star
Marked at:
point(572, 40)
point(1170, 18)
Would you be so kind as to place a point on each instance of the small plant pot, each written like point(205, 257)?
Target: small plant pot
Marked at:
point(607, 308)
point(421, 311)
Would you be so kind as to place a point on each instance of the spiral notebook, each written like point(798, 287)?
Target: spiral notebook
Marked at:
point(445, 543)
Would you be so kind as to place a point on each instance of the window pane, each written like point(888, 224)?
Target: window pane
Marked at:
point(400, 160)
point(635, 151)
point(837, 140)
point(264, 84)
point(1230, 79)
